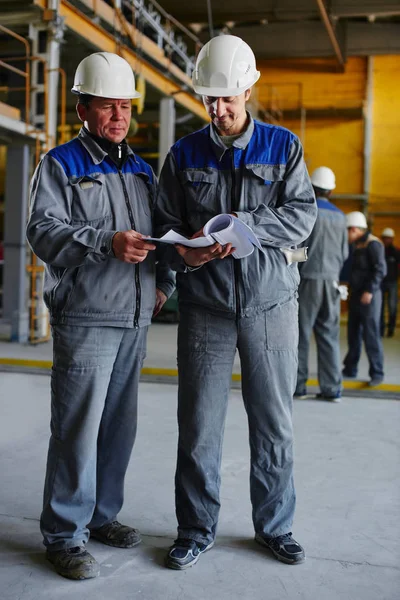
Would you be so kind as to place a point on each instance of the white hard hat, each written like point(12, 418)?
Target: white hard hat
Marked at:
point(388, 232)
point(323, 178)
point(356, 219)
point(106, 75)
point(225, 66)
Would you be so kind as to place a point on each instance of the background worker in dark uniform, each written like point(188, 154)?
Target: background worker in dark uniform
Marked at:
point(319, 296)
point(368, 268)
point(389, 284)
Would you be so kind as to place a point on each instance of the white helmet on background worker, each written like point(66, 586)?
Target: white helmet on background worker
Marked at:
point(106, 75)
point(356, 219)
point(323, 178)
point(388, 232)
point(225, 66)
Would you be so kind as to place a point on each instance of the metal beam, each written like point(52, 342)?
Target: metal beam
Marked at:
point(102, 40)
point(331, 33)
point(307, 40)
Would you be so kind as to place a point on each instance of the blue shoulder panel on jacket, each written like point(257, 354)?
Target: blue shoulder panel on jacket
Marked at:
point(76, 162)
point(269, 145)
point(324, 204)
point(194, 151)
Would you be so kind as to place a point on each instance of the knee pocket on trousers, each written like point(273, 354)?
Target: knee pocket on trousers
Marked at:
point(281, 326)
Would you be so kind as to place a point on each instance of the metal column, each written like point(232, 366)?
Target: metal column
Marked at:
point(167, 129)
point(15, 283)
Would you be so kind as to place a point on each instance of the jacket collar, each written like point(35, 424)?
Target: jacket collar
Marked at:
point(97, 153)
point(241, 142)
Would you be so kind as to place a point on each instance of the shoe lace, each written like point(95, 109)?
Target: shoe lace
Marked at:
point(184, 542)
point(286, 537)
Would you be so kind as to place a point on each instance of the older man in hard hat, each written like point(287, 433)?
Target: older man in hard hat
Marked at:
point(368, 268)
point(91, 205)
point(256, 172)
point(389, 284)
point(319, 291)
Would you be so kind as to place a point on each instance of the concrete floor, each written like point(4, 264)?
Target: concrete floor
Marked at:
point(161, 353)
point(347, 480)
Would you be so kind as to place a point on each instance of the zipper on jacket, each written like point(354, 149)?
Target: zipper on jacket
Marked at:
point(234, 207)
point(137, 276)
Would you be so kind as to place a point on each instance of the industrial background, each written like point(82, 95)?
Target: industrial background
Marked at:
point(329, 72)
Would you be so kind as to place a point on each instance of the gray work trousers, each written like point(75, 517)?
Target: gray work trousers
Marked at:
point(94, 385)
point(364, 324)
point(319, 311)
point(267, 344)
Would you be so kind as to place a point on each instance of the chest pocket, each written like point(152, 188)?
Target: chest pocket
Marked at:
point(201, 190)
point(90, 204)
point(263, 183)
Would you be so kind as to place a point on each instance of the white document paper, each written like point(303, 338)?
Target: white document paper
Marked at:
point(225, 229)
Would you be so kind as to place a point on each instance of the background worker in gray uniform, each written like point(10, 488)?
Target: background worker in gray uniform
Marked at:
point(91, 203)
point(257, 172)
point(319, 297)
point(368, 268)
point(390, 290)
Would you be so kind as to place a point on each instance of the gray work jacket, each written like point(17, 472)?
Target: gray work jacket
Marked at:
point(264, 180)
point(79, 200)
point(328, 245)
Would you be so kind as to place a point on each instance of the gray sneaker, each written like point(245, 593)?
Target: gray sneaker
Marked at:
point(74, 563)
point(284, 548)
point(117, 535)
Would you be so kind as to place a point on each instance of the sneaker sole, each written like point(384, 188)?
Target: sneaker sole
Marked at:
point(177, 567)
point(287, 561)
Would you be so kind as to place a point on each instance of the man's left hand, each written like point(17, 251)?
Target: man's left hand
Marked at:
point(366, 298)
point(161, 299)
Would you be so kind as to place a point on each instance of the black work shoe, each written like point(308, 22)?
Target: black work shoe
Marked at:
point(74, 563)
point(329, 397)
point(117, 535)
point(284, 548)
point(349, 374)
point(185, 553)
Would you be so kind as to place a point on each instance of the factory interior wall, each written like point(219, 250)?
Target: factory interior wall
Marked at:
point(385, 150)
point(334, 134)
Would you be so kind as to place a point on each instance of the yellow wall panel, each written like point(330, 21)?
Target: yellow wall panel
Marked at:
point(338, 145)
point(385, 151)
point(320, 88)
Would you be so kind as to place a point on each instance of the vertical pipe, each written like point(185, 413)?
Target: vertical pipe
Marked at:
point(368, 106)
point(167, 129)
point(210, 19)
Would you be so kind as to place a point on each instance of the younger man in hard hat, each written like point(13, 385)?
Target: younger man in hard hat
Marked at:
point(255, 171)
point(319, 296)
point(368, 268)
point(91, 205)
point(389, 284)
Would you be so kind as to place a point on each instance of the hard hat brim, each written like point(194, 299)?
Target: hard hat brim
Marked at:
point(223, 92)
point(135, 94)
